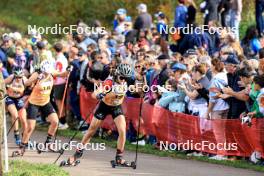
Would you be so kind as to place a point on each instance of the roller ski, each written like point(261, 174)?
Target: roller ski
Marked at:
point(20, 152)
point(119, 162)
point(73, 160)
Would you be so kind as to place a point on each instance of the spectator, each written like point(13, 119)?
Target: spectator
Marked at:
point(162, 25)
point(218, 107)
point(61, 64)
point(236, 105)
point(198, 92)
point(180, 18)
point(235, 16)
point(174, 99)
point(250, 43)
point(144, 20)
point(119, 22)
point(209, 8)
point(191, 15)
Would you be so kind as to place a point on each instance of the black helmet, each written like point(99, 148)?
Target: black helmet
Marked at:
point(124, 70)
point(18, 72)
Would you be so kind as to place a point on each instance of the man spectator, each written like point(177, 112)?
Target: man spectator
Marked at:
point(144, 20)
point(180, 17)
point(236, 106)
point(236, 10)
point(61, 65)
point(210, 11)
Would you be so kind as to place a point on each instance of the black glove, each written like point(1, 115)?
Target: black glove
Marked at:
point(100, 96)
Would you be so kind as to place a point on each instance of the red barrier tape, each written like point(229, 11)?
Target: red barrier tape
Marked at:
point(181, 128)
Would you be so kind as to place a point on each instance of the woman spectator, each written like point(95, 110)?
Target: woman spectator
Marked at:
point(218, 107)
point(174, 100)
point(198, 94)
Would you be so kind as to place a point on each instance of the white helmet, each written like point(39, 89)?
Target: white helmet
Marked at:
point(46, 66)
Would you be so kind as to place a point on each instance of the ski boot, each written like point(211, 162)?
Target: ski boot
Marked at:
point(120, 162)
point(21, 151)
point(17, 139)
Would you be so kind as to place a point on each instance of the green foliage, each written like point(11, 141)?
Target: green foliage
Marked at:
point(22, 168)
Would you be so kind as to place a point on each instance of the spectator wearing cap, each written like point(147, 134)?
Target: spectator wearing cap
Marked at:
point(175, 100)
point(144, 20)
point(8, 48)
point(163, 75)
point(120, 19)
point(83, 58)
point(162, 25)
point(236, 105)
point(246, 76)
point(180, 18)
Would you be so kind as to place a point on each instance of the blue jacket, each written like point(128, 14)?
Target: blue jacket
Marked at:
point(180, 16)
point(174, 101)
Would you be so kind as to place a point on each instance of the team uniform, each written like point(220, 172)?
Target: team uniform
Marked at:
point(111, 102)
point(15, 91)
point(39, 100)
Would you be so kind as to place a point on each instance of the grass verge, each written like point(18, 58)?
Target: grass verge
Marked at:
point(22, 168)
point(149, 149)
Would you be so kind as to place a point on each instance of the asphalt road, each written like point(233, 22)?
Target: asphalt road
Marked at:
point(97, 163)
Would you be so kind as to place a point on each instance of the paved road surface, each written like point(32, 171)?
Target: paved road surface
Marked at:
point(96, 163)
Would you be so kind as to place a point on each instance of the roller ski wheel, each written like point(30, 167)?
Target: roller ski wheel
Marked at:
point(68, 164)
point(125, 164)
point(17, 153)
point(133, 165)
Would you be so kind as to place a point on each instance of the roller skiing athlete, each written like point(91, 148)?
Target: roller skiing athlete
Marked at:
point(39, 102)
point(15, 105)
point(111, 95)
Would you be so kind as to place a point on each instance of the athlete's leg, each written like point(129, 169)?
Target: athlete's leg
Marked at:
point(95, 124)
point(23, 119)
point(14, 114)
point(120, 123)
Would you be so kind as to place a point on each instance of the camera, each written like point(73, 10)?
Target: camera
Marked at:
point(245, 119)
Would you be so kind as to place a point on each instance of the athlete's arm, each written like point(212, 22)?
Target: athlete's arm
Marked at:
point(32, 79)
point(9, 79)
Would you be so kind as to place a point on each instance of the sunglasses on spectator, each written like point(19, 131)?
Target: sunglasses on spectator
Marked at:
point(138, 66)
point(122, 78)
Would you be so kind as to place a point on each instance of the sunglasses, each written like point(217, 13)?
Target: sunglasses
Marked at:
point(122, 78)
point(137, 66)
